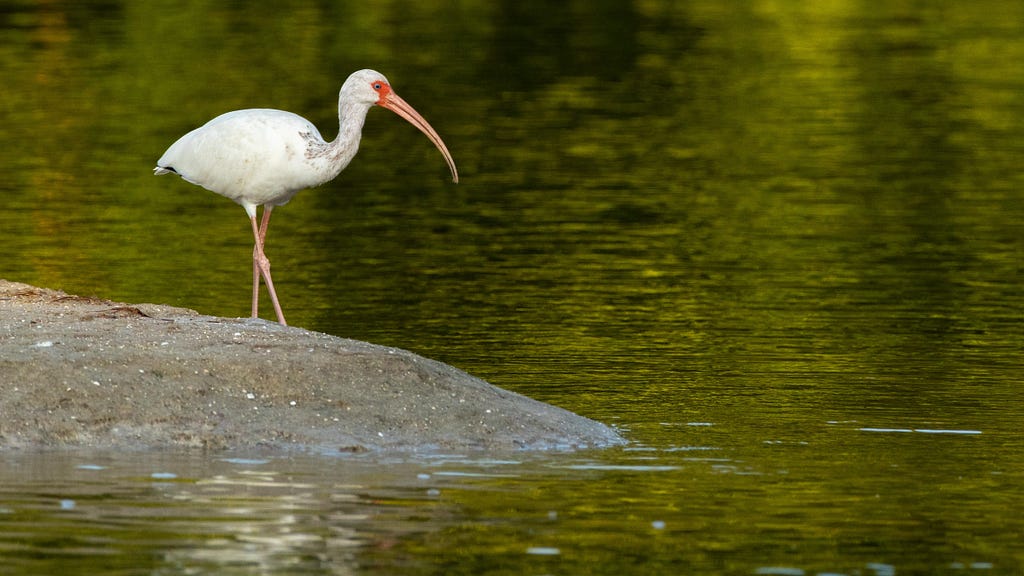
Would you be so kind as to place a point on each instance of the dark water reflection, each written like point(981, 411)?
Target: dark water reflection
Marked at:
point(779, 245)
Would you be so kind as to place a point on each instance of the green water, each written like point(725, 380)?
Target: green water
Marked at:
point(779, 244)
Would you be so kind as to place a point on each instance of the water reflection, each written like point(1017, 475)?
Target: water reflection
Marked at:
point(214, 515)
point(260, 521)
point(765, 240)
point(716, 505)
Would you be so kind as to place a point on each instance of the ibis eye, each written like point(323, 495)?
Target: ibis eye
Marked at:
point(377, 86)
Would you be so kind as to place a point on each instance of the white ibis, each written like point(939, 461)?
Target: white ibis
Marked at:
point(264, 157)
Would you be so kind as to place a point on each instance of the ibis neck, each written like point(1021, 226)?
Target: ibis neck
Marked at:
point(351, 117)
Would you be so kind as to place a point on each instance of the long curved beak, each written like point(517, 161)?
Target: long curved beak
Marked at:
point(393, 102)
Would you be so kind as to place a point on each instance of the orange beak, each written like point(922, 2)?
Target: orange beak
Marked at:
point(393, 102)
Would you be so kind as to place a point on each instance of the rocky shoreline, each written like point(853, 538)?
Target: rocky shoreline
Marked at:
point(87, 372)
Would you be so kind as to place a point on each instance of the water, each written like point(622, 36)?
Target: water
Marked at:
point(778, 245)
point(713, 506)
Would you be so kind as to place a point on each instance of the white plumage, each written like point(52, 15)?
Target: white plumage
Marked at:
point(263, 157)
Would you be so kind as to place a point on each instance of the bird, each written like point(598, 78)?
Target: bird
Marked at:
point(264, 157)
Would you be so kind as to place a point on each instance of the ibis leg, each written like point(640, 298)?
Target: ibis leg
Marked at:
point(261, 267)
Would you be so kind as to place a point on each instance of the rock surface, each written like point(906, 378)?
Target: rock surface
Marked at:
point(88, 372)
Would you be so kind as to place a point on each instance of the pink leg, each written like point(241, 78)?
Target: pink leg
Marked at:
point(261, 267)
point(255, 278)
point(261, 240)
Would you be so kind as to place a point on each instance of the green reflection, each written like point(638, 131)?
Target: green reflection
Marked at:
point(766, 217)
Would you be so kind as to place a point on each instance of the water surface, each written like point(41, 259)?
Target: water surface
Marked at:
point(778, 245)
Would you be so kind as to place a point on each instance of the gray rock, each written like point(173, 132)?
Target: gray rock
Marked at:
point(93, 373)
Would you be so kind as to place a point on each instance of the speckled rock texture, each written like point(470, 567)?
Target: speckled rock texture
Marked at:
point(88, 372)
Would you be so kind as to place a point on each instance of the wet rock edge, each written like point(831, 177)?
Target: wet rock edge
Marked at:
point(88, 372)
